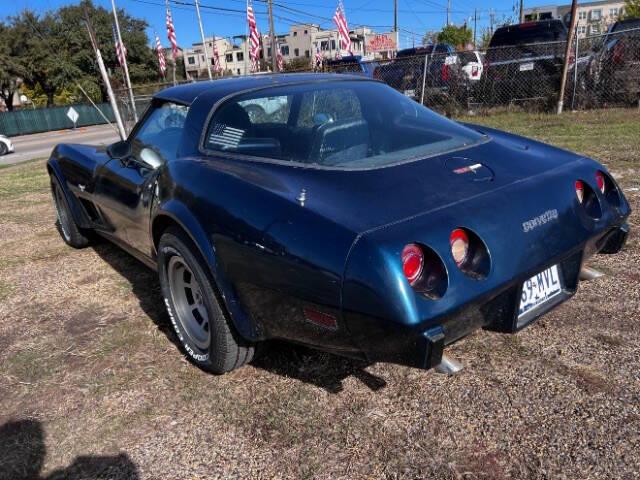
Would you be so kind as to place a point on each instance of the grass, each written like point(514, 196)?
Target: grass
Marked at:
point(92, 384)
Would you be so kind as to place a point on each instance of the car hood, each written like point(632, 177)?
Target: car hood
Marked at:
point(362, 200)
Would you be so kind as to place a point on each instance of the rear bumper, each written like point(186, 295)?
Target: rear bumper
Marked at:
point(422, 346)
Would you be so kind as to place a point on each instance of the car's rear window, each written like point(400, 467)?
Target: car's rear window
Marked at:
point(524, 34)
point(346, 124)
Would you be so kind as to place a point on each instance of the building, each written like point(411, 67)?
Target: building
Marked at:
point(300, 42)
point(593, 17)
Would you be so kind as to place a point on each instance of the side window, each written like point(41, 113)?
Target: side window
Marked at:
point(322, 106)
point(161, 131)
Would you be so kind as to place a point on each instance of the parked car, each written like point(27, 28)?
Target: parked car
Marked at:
point(364, 224)
point(5, 145)
point(444, 74)
point(472, 65)
point(524, 62)
point(351, 64)
point(617, 63)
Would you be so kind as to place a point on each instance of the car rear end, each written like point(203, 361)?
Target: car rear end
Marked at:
point(524, 61)
point(620, 62)
point(503, 245)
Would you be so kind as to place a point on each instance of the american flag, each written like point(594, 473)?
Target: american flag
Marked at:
point(318, 58)
point(216, 57)
point(340, 20)
point(254, 37)
point(171, 35)
point(279, 58)
point(225, 136)
point(121, 50)
point(161, 60)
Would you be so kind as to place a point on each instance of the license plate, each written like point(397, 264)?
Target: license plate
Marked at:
point(540, 289)
point(525, 67)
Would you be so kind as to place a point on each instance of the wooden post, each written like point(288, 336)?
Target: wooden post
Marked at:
point(567, 54)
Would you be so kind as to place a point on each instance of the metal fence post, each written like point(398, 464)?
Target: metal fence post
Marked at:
point(424, 78)
point(575, 72)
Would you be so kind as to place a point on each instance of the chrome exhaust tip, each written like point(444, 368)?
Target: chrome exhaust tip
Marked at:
point(588, 273)
point(449, 366)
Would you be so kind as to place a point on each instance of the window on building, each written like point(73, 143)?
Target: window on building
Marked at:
point(202, 57)
point(596, 15)
point(306, 32)
point(306, 53)
point(582, 30)
point(582, 15)
point(595, 29)
point(295, 34)
point(229, 57)
point(324, 45)
point(296, 52)
point(268, 51)
point(546, 16)
point(213, 61)
point(238, 71)
point(613, 12)
point(333, 44)
point(284, 50)
point(240, 56)
point(191, 60)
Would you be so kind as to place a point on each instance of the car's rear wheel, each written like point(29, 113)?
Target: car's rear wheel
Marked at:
point(65, 223)
point(3, 149)
point(196, 314)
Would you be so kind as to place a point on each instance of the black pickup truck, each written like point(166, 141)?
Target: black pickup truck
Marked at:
point(524, 62)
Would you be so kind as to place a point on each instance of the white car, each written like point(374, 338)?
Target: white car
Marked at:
point(5, 145)
point(471, 65)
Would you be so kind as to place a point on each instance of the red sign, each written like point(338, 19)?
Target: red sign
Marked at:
point(382, 42)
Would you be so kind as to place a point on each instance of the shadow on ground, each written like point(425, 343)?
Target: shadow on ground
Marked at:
point(309, 366)
point(22, 454)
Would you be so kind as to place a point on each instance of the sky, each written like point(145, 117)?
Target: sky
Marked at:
point(415, 17)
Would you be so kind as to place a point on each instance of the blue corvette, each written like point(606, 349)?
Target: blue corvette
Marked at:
point(340, 215)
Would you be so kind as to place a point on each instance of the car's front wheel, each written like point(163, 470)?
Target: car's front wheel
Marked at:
point(3, 149)
point(73, 235)
point(196, 315)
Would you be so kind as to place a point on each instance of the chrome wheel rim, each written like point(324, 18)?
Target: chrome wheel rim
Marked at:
point(61, 212)
point(188, 302)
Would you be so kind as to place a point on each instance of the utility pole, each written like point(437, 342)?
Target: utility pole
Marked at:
point(272, 38)
point(567, 54)
point(105, 76)
point(475, 25)
point(521, 11)
point(204, 43)
point(395, 15)
point(448, 12)
point(491, 19)
point(125, 66)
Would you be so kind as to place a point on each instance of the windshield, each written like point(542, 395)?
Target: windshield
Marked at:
point(347, 124)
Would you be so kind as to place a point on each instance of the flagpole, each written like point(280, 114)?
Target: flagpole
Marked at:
point(105, 76)
point(204, 44)
point(125, 66)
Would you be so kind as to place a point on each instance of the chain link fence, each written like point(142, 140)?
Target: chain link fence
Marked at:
point(603, 71)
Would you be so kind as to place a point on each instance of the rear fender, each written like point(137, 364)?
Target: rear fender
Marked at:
point(77, 212)
point(181, 215)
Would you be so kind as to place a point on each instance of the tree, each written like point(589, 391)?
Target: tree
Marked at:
point(631, 9)
point(11, 67)
point(52, 52)
point(456, 36)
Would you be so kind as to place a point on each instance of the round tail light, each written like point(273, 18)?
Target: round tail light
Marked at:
point(580, 190)
point(412, 262)
point(459, 241)
point(600, 181)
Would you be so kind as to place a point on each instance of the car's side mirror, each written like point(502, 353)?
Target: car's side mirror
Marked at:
point(151, 158)
point(119, 150)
